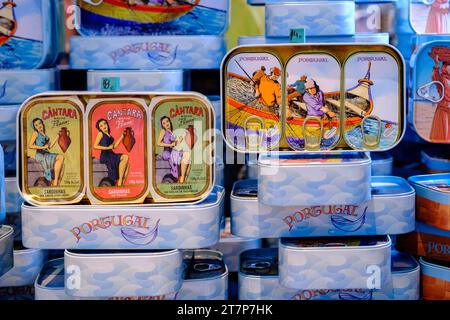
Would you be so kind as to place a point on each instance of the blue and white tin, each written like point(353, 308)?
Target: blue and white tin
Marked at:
point(357, 38)
point(123, 273)
point(13, 199)
point(137, 227)
point(18, 85)
point(435, 280)
point(314, 180)
point(382, 164)
point(376, 16)
point(49, 284)
point(6, 249)
point(220, 173)
point(391, 210)
point(27, 264)
point(147, 53)
point(27, 34)
point(334, 263)
point(9, 150)
point(435, 162)
point(318, 18)
point(8, 115)
point(135, 81)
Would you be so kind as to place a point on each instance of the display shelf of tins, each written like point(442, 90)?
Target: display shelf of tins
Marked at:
point(356, 38)
point(436, 161)
point(390, 210)
point(259, 280)
point(205, 278)
point(435, 279)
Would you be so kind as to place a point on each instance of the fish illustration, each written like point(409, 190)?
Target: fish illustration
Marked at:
point(349, 225)
point(162, 58)
point(140, 238)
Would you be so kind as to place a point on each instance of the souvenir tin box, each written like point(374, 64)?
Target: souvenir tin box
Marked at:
point(335, 263)
point(10, 153)
point(12, 195)
point(147, 53)
point(49, 284)
point(123, 273)
point(391, 210)
point(433, 199)
point(140, 227)
point(134, 81)
point(436, 162)
point(357, 38)
point(259, 280)
point(8, 115)
point(313, 179)
point(429, 113)
point(429, 16)
point(17, 85)
point(316, 17)
point(115, 17)
point(206, 276)
point(435, 280)
point(382, 164)
point(6, 249)
point(27, 34)
point(376, 16)
point(426, 241)
point(292, 97)
point(27, 264)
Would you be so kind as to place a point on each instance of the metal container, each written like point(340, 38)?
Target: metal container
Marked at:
point(147, 53)
point(8, 115)
point(142, 227)
point(427, 242)
point(357, 38)
point(313, 180)
point(123, 273)
point(29, 37)
point(6, 249)
point(134, 81)
point(27, 264)
point(110, 18)
point(259, 280)
point(435, 280)
point(376, 16)
point(318, 18)
point(10, 153)
point(13, 199)
point(285, 97)
point(429, 17)
point(435, 162)
point(382, 164)
point(334, 263)
point(206, 276)
point(220, 173)
point(391, 210)
point(49, 284)
point(433, 199)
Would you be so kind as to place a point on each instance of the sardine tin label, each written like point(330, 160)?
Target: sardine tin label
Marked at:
point(52, 150)
point(117, 143)
point(372, 117)
point(430, 16)
point(313, 101)
point(182, 149)
point(253, 101)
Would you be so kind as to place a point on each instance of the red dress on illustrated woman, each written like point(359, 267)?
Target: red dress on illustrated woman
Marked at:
point(439, 17)
point(440, 129)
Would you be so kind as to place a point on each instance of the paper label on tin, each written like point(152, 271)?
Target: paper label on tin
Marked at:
point(118, 150)
point(110, 84)
point(53, 147)
point(297, 35)
point(313, 102)
point(180, 166)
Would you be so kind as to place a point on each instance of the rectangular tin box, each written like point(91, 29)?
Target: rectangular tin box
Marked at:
point(312, 179)
point(6, 249)
point(435, 162)
point(147, 53)
point(391, 210)
point(9, 149)
point(8, 115)
point(334, 263)
point(376, 16)
point(134, 81)
point(316, 17)
point(433, 199)
point(435, 280)
point(382, 164)
point(13, 199)
point(357, 38)
point(116, 18)
point(140, 227)
point(123, 273)
point(258, 282)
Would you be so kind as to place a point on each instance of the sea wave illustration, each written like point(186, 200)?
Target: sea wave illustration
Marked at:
point(140, 238)
point(356, 295)
point(349, 225)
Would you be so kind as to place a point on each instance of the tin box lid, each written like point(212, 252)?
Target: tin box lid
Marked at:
point(259, 262)
point(203, 264)
point(435, 269)
point(383, 186)
point(308, 159)
point(402, 262)
point(52, 275)
point(334, 243)
point(5, 231)
point(381, 157)
point(245, 189)
point(117, 253)
point(436, 159)
point(425, 228)
point(434, 186)
point(375, 1)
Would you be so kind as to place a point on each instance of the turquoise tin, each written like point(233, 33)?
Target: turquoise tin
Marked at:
point(376, 16)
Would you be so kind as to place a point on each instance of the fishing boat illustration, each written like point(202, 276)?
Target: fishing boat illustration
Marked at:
point(349, 225)
point(8, 23)
point(139, 13)
point(140, 238)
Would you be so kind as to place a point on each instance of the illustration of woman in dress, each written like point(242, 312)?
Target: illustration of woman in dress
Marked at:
point(176, 158)
point(439, 17)
point(52, 163)
point(440, 129)
point(315, 100)
point(116, 163)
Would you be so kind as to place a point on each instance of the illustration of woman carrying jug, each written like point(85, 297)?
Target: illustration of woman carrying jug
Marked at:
point(440, 129)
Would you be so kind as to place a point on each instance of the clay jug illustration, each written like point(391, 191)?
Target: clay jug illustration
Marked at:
point(64, 140)
point(190, 136)
point(129, 140)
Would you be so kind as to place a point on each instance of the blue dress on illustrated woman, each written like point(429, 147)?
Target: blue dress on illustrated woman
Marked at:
point(52, 163)
point(116, 163)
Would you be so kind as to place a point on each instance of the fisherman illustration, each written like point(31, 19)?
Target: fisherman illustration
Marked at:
point(297, 89)
point(438, 17)
point(315, 100)
point(268, 88)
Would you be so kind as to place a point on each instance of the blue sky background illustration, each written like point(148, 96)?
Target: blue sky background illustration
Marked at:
point(28, 13)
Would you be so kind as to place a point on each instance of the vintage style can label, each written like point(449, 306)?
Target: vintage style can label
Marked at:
point(182, 149)
point(52, 150)
point(117, 150)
